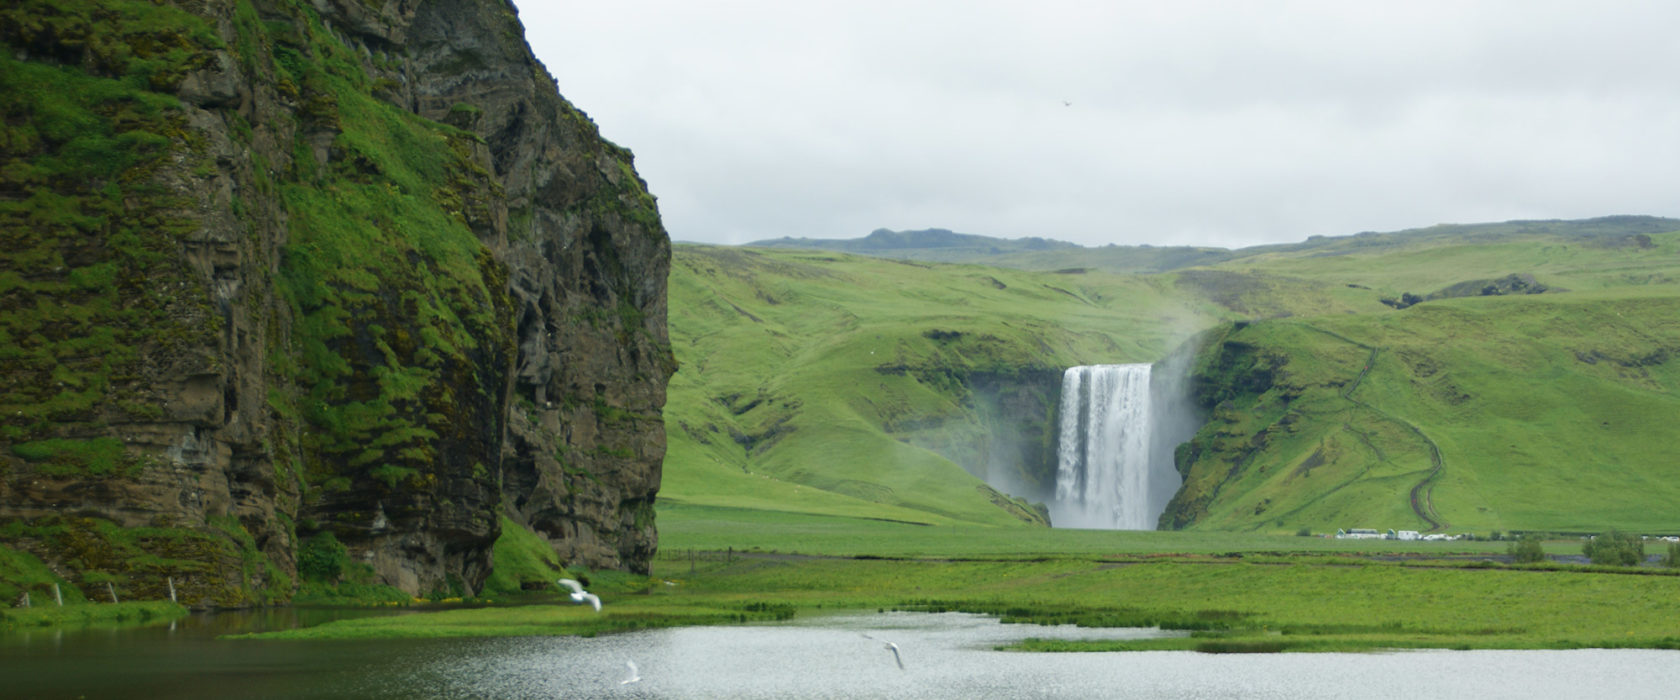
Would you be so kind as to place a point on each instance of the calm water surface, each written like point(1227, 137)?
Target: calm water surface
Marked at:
point(945, 655)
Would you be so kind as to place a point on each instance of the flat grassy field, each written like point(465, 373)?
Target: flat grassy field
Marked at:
point(716, 529)
point(1233, 591)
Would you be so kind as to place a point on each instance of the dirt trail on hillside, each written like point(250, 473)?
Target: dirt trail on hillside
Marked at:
point(1423, 492)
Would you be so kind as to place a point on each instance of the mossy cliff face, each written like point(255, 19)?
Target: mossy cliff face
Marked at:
point(274, 267)
point(1229, 376)
point(587, 262)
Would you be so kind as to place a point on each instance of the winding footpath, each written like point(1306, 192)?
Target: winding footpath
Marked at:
point(1423, 492)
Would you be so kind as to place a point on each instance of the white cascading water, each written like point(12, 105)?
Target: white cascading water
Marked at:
point(1103, 459)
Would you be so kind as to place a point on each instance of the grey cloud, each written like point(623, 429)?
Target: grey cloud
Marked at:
point(1192, 122)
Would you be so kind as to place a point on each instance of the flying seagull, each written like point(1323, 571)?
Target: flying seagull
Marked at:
point(892, 648)
point(581, 596)
point(896, 658)
point(635, 675)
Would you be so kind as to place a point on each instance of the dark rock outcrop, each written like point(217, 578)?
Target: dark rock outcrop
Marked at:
point(277, 267)
point(1519, 283)
point(1516, 283)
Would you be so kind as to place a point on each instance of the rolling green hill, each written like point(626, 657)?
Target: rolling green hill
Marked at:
point(826, 383)
point(835, 384)
point(1533, 412)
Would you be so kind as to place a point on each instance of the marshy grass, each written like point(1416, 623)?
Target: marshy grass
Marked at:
point(131, 614)
point(1228, 604)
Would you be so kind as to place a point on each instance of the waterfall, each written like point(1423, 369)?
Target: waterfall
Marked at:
point(1108, 474)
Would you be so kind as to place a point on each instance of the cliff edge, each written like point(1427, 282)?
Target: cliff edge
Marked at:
point(276, 268)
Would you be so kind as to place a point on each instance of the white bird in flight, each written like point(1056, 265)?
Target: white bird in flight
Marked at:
point(581, 596)
point(892, 648)
point(635, 675)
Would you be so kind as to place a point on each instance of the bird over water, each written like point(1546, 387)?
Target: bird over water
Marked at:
point(892, 648)
point(579, 595)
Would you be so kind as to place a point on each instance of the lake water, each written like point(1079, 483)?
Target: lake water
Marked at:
point(946, 655)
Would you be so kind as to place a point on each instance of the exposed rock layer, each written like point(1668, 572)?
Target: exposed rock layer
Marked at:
point(347, 267)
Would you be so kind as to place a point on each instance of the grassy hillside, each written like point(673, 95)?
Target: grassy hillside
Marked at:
point(842, 385)
point(1532, 411)
point(1537, 413)
point(1609, 253)
point(821, 383)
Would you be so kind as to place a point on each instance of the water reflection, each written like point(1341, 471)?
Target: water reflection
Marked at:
point(816, 657)
point(945, 655)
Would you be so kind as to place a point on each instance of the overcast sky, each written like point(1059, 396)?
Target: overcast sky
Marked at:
point(1160, 122)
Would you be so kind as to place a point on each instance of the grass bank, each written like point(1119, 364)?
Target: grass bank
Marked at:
point(1229, 603)
point(132, 614)
point(1234, 592)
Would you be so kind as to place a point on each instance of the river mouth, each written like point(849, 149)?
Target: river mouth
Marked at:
point(943, 655)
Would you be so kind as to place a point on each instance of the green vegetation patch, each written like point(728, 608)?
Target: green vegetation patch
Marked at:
point(402, 318)
point(89, 288)
point(686, 527)
point(21, 573)
point(218, 563)
point(328, 576)
point(1227, 605)
point(523, 561)
point(104, 615)
point(1229, 592)
point(62, 457)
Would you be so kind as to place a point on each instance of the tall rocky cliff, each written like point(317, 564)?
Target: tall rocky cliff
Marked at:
point(278, 268)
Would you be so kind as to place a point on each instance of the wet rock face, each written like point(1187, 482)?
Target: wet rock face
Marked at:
point(344, 331)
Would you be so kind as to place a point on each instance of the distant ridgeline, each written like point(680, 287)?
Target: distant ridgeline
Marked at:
point(917, 244)
point(320, 286)
point(1033, 253)
point(1509, 376)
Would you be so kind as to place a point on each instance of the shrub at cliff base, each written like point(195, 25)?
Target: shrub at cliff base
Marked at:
point(524, 562)
point(327, 576)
